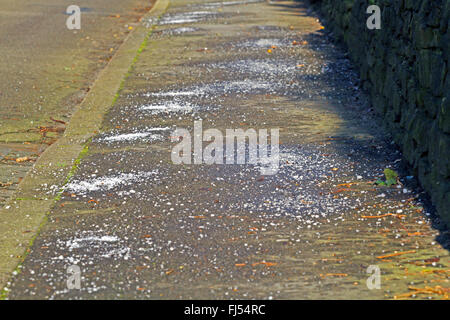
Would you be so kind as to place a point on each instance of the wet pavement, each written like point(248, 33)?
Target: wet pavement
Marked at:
point(140, 226)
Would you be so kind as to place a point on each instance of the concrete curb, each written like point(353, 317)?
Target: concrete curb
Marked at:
point(25, 213)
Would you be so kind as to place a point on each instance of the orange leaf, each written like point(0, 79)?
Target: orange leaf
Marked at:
point(23, 159)
point(396, 254)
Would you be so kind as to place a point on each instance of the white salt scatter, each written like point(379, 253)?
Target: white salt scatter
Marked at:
point(85, 241)
point(149, 135)
point(168, 107)
point(245, 86)
point(174, 93)
point(182, 30)
point(106, 183)
point(186, 17)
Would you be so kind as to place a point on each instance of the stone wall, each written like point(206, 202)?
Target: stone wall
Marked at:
point(404, 67)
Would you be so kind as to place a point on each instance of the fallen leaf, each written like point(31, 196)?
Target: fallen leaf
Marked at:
point(347, 184)
point(427, 290)
point(342, 190)
point(56, 120)
point(400, 216)
point(140, 268)
point(415, 234)
point(23, 159)
point(334, 275)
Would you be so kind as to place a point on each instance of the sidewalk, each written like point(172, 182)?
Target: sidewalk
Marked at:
point(47, 70)
point(141, 227)
point(23, 214)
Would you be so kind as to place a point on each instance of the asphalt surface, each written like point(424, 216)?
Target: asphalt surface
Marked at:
point(141, 227)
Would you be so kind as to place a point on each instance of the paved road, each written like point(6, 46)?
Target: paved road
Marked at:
point(139, 226)
point(47, 69)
